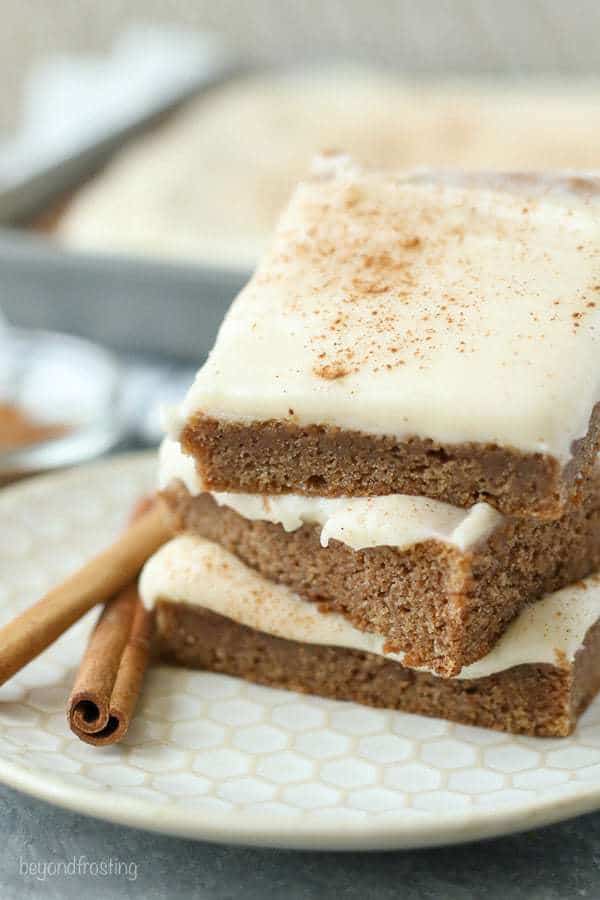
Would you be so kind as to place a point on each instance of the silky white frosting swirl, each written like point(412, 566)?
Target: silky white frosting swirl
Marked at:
point(192, 570)
point(395, 520)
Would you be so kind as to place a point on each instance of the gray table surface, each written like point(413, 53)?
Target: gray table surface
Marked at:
point(554, 863)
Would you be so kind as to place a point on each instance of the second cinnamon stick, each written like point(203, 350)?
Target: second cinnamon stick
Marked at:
point(109, 679)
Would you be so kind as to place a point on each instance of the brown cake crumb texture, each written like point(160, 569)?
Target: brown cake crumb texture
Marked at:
point(278, 457)
point(542, 700)
point(443, 608)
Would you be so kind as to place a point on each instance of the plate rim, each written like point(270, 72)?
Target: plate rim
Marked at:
point(302, 831)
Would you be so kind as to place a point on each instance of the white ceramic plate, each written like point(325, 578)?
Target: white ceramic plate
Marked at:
point(214, 758)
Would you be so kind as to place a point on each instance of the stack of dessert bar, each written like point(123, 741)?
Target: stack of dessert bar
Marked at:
point(384, 478)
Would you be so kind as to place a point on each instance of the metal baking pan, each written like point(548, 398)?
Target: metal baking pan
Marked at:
point(46, 170)
point(128, 304)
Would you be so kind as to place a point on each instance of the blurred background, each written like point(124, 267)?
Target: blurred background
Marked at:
point(432, 36)
point(147, 148)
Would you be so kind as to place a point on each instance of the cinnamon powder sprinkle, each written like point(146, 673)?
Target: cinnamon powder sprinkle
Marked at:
point(331, 372)
point(356, 271)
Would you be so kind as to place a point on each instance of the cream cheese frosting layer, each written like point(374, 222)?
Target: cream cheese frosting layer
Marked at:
point(395, 520)
point(192, 570)
point(453, 308)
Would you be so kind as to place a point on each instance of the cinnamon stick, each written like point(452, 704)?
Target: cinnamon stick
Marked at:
point(24, 638)
point(110, 676)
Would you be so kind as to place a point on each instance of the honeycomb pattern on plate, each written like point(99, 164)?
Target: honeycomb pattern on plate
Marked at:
point(210, 742)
